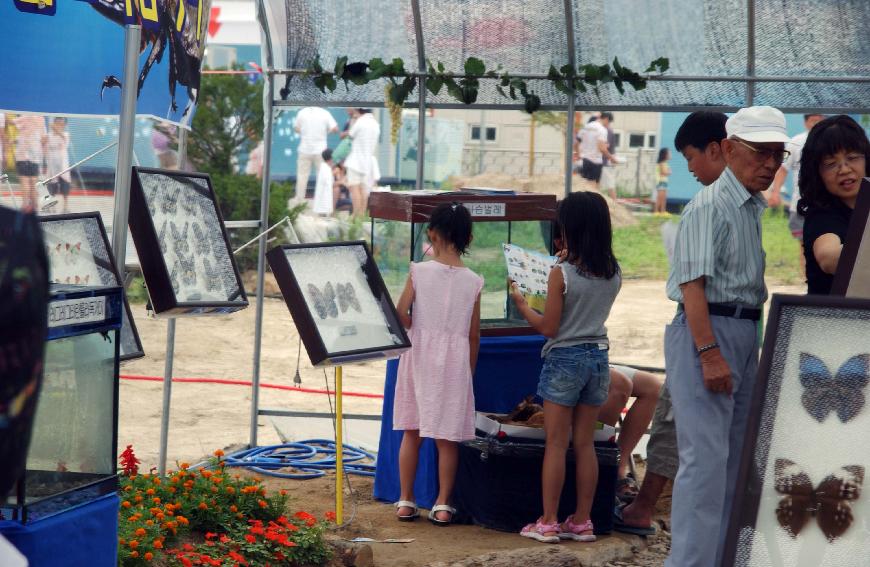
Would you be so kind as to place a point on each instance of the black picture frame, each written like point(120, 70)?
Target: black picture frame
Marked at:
point(766, 438)
point(852, 278)
point(149, 241)
point(319, 351)
point(104, 261)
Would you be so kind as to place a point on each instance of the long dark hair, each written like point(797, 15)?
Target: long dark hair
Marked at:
point(587, 234)
point(831, 135)
point(664, 155)
point(453, 222)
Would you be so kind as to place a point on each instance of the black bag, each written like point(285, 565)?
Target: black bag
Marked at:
point(498, 484)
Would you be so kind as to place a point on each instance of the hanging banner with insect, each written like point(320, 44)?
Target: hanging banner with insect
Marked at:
point(72, 62)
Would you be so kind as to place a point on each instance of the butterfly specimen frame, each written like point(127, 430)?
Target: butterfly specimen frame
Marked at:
point(338, 301)
point(182, 244)
point(79, 253)
point(800, 498)
point(852, 277)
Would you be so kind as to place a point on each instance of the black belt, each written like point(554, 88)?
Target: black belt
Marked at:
point(724, 310)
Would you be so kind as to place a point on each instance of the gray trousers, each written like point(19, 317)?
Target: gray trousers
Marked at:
point(710, 431)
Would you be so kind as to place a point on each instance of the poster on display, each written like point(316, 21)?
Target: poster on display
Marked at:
point(78, 252)
point(852, 277)
point(802, 486)
point(529, 270)
point(71, 61)
point(338, 302)
point(182, 244)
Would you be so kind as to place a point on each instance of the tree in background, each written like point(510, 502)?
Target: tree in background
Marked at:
point(228, 120)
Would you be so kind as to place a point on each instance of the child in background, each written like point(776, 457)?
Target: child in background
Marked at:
point(575, 377)
point(28, 155)
point(323, 196)
point(57, 160)
point(434, 397)
point(663, 172)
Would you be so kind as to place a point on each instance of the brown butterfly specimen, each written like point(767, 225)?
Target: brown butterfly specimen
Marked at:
point(829, 502)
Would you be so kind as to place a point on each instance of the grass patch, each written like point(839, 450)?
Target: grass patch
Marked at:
point(642, 255)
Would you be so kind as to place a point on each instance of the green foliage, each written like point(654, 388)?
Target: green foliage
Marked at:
point(229, 116)
point(465, 88)
point(191, 515)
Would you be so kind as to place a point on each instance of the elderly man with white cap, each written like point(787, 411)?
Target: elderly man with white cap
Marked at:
point(711, 346)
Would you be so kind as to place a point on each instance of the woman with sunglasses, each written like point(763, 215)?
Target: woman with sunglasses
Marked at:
point(833, 162)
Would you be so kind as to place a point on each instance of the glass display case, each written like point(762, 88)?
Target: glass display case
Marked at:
point(398, 236)
point(72, 455)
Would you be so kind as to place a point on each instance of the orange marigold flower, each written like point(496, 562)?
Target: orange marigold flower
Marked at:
point(282, 492)
point(156, 500)
point(206, 474)
point(214, 489)
point(158, 544)
point(121, 541)
point(126, 504)
point(150, 492)
point(157, 480)
point(140, 532)
point(172, 489)
point(182, 520)
point(160, 516)
point(234, 508)
point(231, 490)
point(203, 506)
point(133, 544)
point(218, 453)
point(185, 466)
point(148, 556)
point(262, 503)
point(240, 516)
point(134, 554)
point(138, 498)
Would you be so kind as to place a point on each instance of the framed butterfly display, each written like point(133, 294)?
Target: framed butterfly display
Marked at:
point(801, 499)
point(182, 244)
point(79, 253)
point(338, 301)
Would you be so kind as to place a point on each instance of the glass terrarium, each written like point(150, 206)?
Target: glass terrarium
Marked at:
point(398, 236)
point(72, 454)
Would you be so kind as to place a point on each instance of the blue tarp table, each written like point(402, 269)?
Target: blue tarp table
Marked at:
point(507, 371)
point(84, 535)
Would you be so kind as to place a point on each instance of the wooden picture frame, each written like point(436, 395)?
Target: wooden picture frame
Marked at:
point(852, 278)
point(338, 301)
point(91, 256)
point(182, 244)
point(806, 430)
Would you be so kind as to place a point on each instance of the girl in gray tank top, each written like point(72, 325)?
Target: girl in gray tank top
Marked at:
point(575, 377)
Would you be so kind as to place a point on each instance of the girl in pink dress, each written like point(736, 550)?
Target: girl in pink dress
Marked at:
point(434, 397)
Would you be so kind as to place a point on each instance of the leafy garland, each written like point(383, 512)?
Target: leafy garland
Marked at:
point(465, 88)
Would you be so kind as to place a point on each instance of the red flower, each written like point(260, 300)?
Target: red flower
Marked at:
point(237, 557)
point(186, 562)
point(224, 539)
point(250, 539)
point(187, 547)
point(330, 516)
point(129, 462)
point(210, 535)
point(306, 517)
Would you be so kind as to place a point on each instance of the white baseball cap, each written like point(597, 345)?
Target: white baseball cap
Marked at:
point(758, 124)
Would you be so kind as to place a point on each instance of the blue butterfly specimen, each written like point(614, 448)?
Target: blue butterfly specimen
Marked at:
point(824, 393)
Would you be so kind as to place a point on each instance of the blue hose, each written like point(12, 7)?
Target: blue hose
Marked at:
point(311, 458)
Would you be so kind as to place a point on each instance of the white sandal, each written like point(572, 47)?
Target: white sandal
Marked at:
point(441, 508)
point(407, 504)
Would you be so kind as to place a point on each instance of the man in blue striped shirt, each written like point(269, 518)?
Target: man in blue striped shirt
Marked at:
point(717, 278)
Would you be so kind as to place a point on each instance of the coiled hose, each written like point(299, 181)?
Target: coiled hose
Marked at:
point(307, 459)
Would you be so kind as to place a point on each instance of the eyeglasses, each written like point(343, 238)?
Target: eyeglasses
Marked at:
point(852, 161)
point(763, 154)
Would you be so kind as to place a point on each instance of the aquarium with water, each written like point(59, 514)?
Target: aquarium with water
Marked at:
point(72, 455)
point(398, 236)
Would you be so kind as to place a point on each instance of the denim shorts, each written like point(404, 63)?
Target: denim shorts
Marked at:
point(575, 375)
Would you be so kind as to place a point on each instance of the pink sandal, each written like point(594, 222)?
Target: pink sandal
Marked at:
point(577, 532)
point(538, 531)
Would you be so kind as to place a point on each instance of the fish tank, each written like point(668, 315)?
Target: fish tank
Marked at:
point(398, 237)
point(72, 454)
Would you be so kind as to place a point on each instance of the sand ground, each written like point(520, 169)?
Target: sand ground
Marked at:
point(205, 416)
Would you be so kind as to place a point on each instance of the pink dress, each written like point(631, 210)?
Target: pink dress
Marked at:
point(433, 389)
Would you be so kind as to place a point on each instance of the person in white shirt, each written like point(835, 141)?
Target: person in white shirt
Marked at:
point(313, 124)
point(365, 133)
point(594, 147)
point(28, 155)
point(792, 164)
point(255, 161)
point(323, 196)
point(57, 160)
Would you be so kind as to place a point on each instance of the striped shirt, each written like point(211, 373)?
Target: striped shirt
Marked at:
point(719, 238)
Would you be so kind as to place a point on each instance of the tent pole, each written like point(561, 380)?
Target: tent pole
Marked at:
point(569, 124)
point(126, 129)
point(261, 256)
point(421, 101)
point(167, 396)
point(750, 52)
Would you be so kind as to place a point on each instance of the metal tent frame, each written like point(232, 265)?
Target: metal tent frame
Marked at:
point(749, 82)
